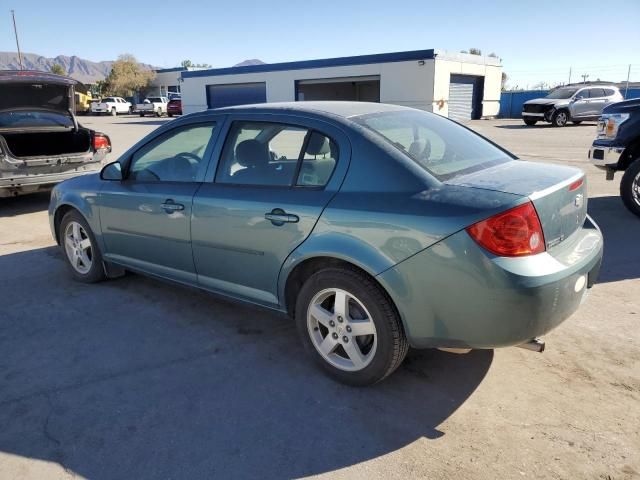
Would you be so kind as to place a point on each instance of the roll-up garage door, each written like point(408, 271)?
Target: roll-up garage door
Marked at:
point(461, 97)
point(231, 94)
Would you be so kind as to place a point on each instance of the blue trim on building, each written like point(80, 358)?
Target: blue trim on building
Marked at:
point(306, 64)
point(167, 70)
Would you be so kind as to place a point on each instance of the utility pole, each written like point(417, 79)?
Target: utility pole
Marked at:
point(569, 82)
point(15, 30)
point(627, 87)
point(584, 77)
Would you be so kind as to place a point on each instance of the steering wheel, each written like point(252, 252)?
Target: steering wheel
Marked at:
point(192, 157)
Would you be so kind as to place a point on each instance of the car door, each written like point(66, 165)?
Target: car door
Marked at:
point(145, 218)
point(274, 177)
point(580, 106)
point(597, 101)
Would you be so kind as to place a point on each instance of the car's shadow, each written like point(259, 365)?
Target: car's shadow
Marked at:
point(621, 230)
point(24, 204)
point(522, 126)
point(133, 378)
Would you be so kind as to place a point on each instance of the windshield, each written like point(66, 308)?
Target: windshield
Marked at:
point(442, 147)
point(31, 118)
point(562, 93)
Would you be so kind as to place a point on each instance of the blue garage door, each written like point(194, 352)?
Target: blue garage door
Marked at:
point(236, 94)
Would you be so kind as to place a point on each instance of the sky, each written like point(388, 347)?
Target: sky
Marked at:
point(537, 41)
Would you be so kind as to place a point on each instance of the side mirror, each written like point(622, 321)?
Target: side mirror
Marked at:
point(579, 97)
point(112, 172)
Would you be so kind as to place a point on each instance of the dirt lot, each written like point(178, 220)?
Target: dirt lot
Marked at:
point(134, 378)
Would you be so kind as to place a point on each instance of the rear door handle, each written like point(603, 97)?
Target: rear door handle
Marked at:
point(170, 206)
point(279, 217)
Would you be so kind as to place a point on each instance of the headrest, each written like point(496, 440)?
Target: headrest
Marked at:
point(420, 148)
point(251, 153)
point(318, 145)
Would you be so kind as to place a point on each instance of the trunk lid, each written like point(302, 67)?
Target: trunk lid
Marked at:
point(37, 90)
point(558, 193)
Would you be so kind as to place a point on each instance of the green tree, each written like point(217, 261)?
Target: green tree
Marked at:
point(186, 63)
point(58, 69)
point(475, 51)
point(127, 77)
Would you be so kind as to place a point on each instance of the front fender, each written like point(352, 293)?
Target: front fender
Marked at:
point(82, 200)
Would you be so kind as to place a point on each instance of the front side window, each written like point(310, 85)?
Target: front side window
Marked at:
point(176, 156)
point(274, 154)
point(561, 93)
point(443, 148)
point(596, 93)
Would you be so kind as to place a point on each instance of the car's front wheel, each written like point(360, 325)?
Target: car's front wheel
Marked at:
point(350, 326)
point(531, 121)
point(114, 112)
point(630, 187)
point(560, 118)
point(80, 248)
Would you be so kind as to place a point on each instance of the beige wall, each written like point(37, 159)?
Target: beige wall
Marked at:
point(402, 83)
point(492, 83)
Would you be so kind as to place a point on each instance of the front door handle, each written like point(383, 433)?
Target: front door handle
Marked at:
point(170, 206)
point(279, 217)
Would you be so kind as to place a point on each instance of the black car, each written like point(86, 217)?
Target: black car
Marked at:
point(617, 148)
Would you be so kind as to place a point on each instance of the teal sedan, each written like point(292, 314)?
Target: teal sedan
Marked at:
point(376, 227)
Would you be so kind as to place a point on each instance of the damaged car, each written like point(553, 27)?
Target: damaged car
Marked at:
point(41, 142)
point(570, 104)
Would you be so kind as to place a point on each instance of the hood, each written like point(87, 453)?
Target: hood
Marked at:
point(545, 101)
point(27, 90)
point(627, 106)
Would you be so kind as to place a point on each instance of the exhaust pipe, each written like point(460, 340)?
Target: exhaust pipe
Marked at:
point(535, 345)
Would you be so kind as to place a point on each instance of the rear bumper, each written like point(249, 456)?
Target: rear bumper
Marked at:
point(16, 185)
point(456, 295)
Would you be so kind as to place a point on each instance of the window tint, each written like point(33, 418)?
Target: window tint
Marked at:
point(608, 92)
point(583, 93)
point(596, 92)
point(176, 156)
point(319, 161)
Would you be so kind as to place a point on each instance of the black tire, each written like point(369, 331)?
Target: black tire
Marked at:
point(96, 272)
point(560, 118)
point(141, 114)
point(576, 122)
point(170, 114)
point(159, 113)
point(630, 183)
point(530, 121)
point(392, 345)
point(114, 112)
point(130, 112)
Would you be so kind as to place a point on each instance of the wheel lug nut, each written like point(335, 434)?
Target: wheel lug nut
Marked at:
point(345, 339)
point(349, 328)
point(332, 323)
point(334, 335)
point(340, 319)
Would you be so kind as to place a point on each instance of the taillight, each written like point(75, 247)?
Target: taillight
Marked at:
point(100, 142)
point(514, 233)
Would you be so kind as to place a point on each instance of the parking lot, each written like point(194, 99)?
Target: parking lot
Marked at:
point(134, 378)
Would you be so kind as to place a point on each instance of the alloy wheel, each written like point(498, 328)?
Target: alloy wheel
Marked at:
point(77, 246)
point(341, 329)
point(635, 189)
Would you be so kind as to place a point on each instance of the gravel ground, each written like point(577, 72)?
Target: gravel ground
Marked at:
point(135, 378)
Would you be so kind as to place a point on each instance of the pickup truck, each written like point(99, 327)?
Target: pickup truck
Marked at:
point(617, 149)
point(153, 105)
point(41, 142)
point(112, 106)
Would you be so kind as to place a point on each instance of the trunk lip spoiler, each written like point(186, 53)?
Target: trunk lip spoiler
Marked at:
point(558, 186)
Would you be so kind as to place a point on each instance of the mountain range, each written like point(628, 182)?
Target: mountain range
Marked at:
point(83, 70)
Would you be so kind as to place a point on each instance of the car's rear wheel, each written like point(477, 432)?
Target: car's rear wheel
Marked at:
point(560, 118)
point(141, 114)
point(350, 326)
point(81, 250)
point(630, 187)
point(531, 121)
point(159, 112)
point(130, 111)
point(114, 112)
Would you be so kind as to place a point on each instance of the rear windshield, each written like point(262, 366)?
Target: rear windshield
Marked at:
point(155, 99)
point(27, 118)
point(442, 147)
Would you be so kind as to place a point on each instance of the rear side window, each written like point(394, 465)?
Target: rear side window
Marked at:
point(440, 146)
point(275, 154)
point(596, 93)
point(608, 92)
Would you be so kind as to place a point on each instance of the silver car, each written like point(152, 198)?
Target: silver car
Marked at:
point(570, 104)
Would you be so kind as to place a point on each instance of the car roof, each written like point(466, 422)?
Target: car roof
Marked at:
point(340, 109)
point(19, 76)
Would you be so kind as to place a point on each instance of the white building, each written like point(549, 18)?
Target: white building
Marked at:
point(458, 85)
